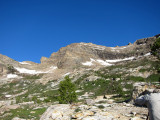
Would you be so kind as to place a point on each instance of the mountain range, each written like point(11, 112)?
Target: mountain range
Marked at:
point(107, 81)
point(77, 57)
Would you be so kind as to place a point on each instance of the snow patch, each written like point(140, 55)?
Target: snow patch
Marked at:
point(66, 74)
point(119, 60)
point(115, 48)
point(147, 54)
point(8, 96)
point(12, 76)
point(89, 63)
point(24, 70)
point(52, 68)
point(24, 63)
point(102, 62)
point(106, 62)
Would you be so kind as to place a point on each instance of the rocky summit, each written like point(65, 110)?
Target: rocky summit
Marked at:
point(107, 80)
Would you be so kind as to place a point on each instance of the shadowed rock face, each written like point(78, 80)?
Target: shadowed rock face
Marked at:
point(73, 55)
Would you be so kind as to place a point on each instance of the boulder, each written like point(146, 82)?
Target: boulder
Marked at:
point(17, 118)
point(90, 102)
point(58, 112)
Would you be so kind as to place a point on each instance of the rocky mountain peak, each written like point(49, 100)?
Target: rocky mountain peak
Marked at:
point(75, 54)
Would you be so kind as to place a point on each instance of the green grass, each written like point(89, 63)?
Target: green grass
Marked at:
point(39, 89)
point(25, 113)
point(135, 78)
point(12, 88)
point(143, 70)
point(154, 78)
point(81, 79)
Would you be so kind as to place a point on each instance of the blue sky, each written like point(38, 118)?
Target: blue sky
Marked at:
point(30, 29)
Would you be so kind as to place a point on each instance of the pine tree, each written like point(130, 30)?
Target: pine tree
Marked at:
point(67, 94)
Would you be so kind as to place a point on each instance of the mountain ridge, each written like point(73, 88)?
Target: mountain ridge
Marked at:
point(78, 56)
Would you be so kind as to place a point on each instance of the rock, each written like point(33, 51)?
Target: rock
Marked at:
point(90, 102)
point(12, 106)
point(58, 112)
point(157, 36)
point(89, 118)
point(8, 96)
point(82, 114)
point(99, 98)
point(77, 115)
point(84, 107)
point(17, 118)
point(136, 118)
point(129, 43)
point(134, 113)
point(32, 112)
point(92, 78)
point(156, 91)
point(27, 103)
point(88, 113)
point(141, 88)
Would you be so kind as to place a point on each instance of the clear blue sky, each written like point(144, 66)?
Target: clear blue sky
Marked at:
point(30, 29)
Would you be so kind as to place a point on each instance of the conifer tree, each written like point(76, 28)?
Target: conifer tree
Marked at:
point(67, 94)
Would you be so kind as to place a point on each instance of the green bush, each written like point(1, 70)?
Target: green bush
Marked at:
point(67, 92)
point(101, 107)
point(25, 113)
point(77, 110)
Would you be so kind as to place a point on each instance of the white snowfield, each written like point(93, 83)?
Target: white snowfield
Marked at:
point(92, 61)
point(119, 60)
point(103, 63)
point(24, 63)
point(89, 63)
point(12, 76)
point(28, 71)
point(24, 70)
point(108, 62)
